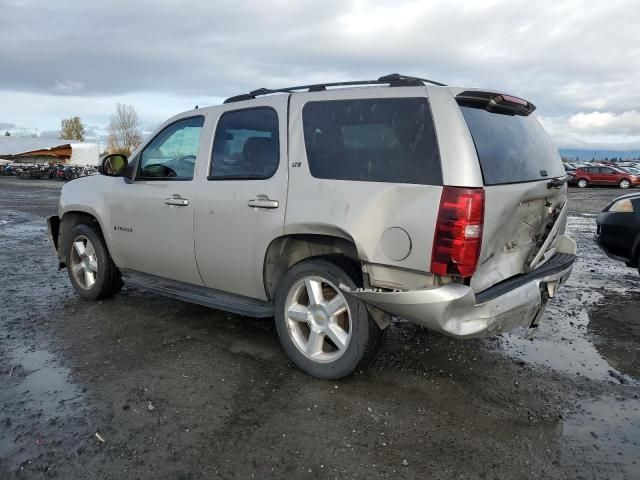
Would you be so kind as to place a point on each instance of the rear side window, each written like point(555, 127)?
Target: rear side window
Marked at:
point(512, 148)
point(246, 145)
point(372, 140)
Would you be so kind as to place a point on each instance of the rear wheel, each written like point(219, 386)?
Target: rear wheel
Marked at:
point(91, 269)
point(582, 183)
point(323, 331)
point(624, 183)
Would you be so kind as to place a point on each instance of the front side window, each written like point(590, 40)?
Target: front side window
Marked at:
point(172, 153)
point(372, 140)
point(246, 145)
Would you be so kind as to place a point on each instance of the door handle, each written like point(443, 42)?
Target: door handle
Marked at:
point(262, 201)
point(177, 201)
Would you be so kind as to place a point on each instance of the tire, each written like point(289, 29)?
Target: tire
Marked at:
point(582, 183)
point(624, 184)
point(91, 270)
point(312, 320)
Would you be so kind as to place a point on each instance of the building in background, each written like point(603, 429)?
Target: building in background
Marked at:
point(48, 150)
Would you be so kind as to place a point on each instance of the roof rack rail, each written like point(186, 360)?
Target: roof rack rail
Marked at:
point(393, 80)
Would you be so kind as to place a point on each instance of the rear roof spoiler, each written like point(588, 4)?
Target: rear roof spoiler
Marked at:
point(495, 102)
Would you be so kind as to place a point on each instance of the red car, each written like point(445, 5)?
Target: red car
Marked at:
point(604, 175)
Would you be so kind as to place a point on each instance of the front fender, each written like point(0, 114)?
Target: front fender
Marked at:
point(88, 196)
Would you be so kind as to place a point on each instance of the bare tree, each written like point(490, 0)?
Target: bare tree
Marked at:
point(124, 130)
point(72, 129)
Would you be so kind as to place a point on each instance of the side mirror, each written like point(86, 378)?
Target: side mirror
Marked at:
point(113, 165)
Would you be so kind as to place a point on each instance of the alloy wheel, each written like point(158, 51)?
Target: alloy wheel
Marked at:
point(84, 263)
point(318, 319)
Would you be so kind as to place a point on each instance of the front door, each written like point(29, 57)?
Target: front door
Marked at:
point(152, 217)
point(241, 208)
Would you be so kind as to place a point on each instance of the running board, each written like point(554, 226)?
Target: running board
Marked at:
point(207, 297)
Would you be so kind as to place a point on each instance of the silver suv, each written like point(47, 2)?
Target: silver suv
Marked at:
point(331, 208)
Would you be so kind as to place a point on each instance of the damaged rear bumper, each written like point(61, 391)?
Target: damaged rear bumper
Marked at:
point(456, 310)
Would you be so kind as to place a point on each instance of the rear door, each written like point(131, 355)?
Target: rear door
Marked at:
point(593, 174)
point(240, 207)
point(596, 176)
point(365, 166)
point(608, 176)
point(517, 160)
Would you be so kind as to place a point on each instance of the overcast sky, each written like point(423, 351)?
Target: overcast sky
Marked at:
point(578, 61)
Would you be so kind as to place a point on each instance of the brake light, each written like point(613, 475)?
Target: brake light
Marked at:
point(516, 100)
point(458, 236)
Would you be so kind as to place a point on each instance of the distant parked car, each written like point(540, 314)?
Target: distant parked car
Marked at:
point(632, 170)
point(604, 175)
point(618, 230)
point(570, 169)
point(7, 171)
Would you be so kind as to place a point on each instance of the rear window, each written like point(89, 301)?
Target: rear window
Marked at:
point(512, 148)
point(372, 140)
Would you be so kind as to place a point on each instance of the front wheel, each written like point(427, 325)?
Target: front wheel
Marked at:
point(624, 183)
point(324, 332)
point(582, 183)
point(91, 270)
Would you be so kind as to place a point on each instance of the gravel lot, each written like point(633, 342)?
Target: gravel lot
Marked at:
point(140, 386)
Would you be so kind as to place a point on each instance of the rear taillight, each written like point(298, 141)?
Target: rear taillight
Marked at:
point(456, 243)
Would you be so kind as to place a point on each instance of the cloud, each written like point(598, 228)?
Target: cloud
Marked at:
point(50, 134)
point(595, 130)
point(625, 123)
point(67, 86)
point(7, 126)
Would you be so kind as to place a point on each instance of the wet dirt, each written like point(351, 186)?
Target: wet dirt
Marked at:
point(174, 390)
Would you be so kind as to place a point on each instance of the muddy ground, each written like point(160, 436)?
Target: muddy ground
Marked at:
point(140, 386)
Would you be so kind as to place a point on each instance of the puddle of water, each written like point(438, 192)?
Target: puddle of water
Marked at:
point(565, 348)
point(45, 391)
point(576, 356)
point(564, 342)
point(47, 384)
point(610, 428)
point(615, 330)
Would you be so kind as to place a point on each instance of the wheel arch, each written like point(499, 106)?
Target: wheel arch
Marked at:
point(627, 179)
point(286, 251)
point(73, 217)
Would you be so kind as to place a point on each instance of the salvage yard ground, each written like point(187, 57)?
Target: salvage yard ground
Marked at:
point(141, 386)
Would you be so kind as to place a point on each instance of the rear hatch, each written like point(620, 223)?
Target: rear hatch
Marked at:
point(522, 204)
